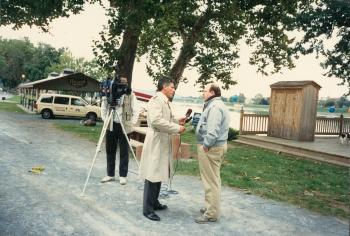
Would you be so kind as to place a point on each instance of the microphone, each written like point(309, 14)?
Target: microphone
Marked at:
point(188, 113)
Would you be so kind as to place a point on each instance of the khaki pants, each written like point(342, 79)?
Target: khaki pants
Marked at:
point(209, 167)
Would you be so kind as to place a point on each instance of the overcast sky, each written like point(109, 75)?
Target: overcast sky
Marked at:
point(78, 31)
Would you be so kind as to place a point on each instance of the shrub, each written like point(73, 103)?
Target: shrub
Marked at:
point(232, 134)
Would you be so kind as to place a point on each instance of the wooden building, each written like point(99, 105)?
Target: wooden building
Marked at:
point(293, 110)
point(73, 83)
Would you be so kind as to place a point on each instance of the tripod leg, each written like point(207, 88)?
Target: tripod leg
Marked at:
point(92, 165)
point(127, 139)
point(98, 148)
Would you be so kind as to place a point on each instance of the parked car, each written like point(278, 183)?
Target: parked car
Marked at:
point(51, 105)
point(195, 119)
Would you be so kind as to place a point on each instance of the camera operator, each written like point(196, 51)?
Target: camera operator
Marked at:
point(128, 112)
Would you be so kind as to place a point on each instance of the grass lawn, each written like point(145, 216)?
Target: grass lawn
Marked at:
point(10, 107)
point(88, 132)
point(15, 98)
point(320, 187)
point(317, 186)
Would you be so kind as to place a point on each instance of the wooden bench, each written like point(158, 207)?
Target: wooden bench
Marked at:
point(137, 146)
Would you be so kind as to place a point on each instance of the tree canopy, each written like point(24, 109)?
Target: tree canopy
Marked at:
point(210, 33)
point(21, 57)
point(205, 35)
point(321, 22)
point(120, 39)
point(39, 12)
point(90, 68)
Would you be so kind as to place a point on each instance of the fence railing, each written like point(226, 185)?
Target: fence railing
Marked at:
point(253, 123)
point(258, 124)
point(332, 126)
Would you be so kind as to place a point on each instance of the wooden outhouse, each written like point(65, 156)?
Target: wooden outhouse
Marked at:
point(293, 109)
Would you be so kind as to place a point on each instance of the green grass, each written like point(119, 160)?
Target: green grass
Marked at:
point(320, 187)
point(15, 98)
point(189, 137)
point(10, 107)
point(87, 132)
point(317, 186)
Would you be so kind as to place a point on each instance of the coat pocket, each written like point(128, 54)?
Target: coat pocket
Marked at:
point(203, 129)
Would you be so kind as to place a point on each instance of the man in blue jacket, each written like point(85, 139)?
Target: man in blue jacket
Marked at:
point(211, 135)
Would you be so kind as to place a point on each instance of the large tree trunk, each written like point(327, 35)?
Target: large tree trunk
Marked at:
point(188, 50)
point(128, 53)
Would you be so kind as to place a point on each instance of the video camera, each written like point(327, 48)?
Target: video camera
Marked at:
point(118, 89)
point(114, 89)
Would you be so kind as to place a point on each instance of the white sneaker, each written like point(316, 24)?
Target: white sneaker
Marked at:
point(122, 180)
point(107, 179)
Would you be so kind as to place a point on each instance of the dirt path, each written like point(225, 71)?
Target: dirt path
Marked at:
point(51, 203)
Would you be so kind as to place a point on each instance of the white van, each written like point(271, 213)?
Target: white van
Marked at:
point(51, 105)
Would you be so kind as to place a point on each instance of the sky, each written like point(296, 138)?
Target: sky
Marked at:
point(78, 32)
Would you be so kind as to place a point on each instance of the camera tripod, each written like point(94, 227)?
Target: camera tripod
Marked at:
point(108, 122)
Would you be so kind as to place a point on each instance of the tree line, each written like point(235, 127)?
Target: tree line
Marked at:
point(22, 61)
point(341, 102)
point(259, 99)
point(205, 36)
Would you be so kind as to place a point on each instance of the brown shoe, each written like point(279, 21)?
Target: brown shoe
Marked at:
point(203, 219)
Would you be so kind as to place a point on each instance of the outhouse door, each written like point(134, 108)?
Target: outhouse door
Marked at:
point(285, 114)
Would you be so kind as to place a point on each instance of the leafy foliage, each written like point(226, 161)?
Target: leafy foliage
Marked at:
point(90, 68)
point(120, 38)
point(338, 102)
point(21, 57)
point(38, 12)
point(237, 98)
point(196, 35)
point(44, 56)
point(205, 35)
point(259, 99)
point(232, 134)
point(322, 21)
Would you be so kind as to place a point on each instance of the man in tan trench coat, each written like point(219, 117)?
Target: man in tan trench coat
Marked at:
point(157, 151)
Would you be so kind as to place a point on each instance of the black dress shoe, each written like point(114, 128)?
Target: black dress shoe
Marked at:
point(152, 216)
point(160, 207)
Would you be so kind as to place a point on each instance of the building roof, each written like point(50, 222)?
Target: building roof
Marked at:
point(294, 84)
point(65, 82)
point(76, 82)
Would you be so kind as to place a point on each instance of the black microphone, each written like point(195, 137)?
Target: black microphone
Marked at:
point(188, 113)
